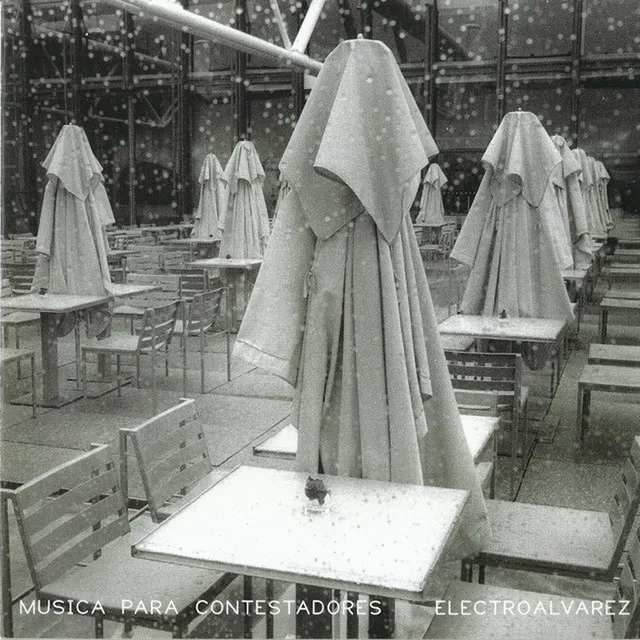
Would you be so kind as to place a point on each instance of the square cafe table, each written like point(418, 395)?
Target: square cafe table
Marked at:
point(235, 273)
point(533, 330)
point(51, 306)
point(376, 538)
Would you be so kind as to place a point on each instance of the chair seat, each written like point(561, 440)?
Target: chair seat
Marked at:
point(128, 310)
point(579, 623)
point(8, 355)
point(178, 330)
point(199, 487)
point(574, 539)
point(17, 318)
point(116, 575)
point(118, 342)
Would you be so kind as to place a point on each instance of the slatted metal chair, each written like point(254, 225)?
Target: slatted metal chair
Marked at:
point(77, 538)
point(155, 335)
point(172, 456)
point(168, 292)
point(193, 282)
point(16, 355)
point(501, 373)
point(562, 541)
point(541, 615)
point(199, 316)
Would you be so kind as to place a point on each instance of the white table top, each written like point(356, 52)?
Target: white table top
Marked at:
point(378, 538)
point(52, 302)
point(489, 327)
point(228, 263)
point(620, 303)
point(631, 294)
point(284, 443)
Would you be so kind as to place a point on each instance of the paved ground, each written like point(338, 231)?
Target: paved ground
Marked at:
point(243, 412)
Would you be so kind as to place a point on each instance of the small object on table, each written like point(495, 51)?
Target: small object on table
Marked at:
point(503, 314)
point(43, 291)
point(315, 489)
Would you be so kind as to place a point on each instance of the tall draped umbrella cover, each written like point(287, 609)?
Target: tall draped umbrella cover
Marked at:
point(588, 184)
point(341, 308)
point(213, 199)
point(565, 181)
point(431, 206)
point(513, 238)
point(245, 225)
point(602, 181)
point(71, 243)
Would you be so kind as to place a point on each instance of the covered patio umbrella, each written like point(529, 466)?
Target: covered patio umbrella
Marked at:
point(431, 207)
point(566, 183)
point(245, 224)
point(213, 199)
point(283, 192)
point(513, 238)
point(72, 244)
point(602, 180)
point(588, 183)
point(341, 308)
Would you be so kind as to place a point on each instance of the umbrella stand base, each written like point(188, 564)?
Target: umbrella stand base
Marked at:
point(99, 386)
point(61, 400)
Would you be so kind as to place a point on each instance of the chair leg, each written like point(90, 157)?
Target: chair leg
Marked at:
point(183, 346)
point(128, 628)
point(166, 360)
point(203, 346)
point(153, 381)
point(84, 374)
point(99, 626)
point(33, 386)
point(118, 381)
point(466, 571)
point(17, 347)
point(76, 337)
point(138, 370)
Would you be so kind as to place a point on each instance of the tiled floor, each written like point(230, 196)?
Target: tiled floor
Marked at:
point(243, 412)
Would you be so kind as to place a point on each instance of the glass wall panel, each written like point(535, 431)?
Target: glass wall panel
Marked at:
point(464, 171)
point(551, 102)
point(263, 24)
point(468, 29)
point(213, 130)
point(612, 26)
point(540, 28)
point(403, 31)
point(610, 131)
point(106, 39)
point(329, 31)
point(208, 56)
point(466, 115)
point(272, 123)
point(49, 23)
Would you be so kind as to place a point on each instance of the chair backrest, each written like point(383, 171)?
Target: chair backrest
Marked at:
point(169, 288)
point(157, 327)
point(203, 310)
point(171, 452)
point(487, 372)
point(625, 503)
point(626, 615)
point(193, 283)
point(21, 284)
point(148, 260)
point(477, 403)
point(68, 514)
point(173, 259)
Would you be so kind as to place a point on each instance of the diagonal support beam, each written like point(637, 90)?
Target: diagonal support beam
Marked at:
point(179, 18)
point(281, 25)
point(307, 26)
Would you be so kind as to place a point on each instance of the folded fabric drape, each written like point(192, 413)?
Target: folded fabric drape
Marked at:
point(245, 225)
point(588, 184)
point(431, 206)
point(566, 184)
point(341, 308)
point(213, 199)
point(513, 237)
point(72, 244)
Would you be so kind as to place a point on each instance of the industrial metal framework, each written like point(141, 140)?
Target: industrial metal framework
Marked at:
point(69, 87)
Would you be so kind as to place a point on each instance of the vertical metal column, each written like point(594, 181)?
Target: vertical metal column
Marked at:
point(25, 39)
point(366, 18)
point(576, 60)
point(297, 75)
point(431, 58)
point(501, 84)
point(241, 102)
point(128, 64)
point(182, 128)
point(77, 59)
